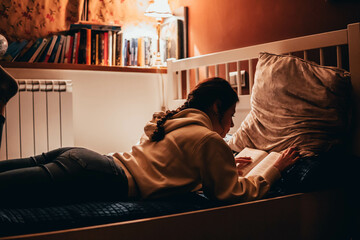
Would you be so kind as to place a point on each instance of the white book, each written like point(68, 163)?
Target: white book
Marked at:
point(51, 47)
point(261, 161)
point(110, 47)
point(66, 49)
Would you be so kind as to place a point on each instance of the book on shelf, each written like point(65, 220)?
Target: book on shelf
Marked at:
point(59, 49)
point(141, 52)
point(49, 51)
point(172, 39)
point(106, 48)
point(69, 49)
point(64, 48)
point(55, 49)
point(42, 53)
point(13, 51)
point(88, 46)
point(148, 53)
point(26, 56)
point(118, 49)
point(261, 161)
point(75, 50)
point(86, 43)
point(113, 53)
point(23, 50)
point(37, 51)
point(126, 52)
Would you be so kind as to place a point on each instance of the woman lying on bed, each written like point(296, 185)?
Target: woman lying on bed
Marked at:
point(184, 152)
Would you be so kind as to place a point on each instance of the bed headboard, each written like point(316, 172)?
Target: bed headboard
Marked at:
point(338, 48)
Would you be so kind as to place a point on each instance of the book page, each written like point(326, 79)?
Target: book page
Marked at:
point(267, 162)
point(256, 156)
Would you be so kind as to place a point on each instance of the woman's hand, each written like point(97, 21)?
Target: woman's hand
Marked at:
point(287, 158)
point(241, 162)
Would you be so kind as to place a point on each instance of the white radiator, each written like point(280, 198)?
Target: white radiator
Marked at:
point(39, 118)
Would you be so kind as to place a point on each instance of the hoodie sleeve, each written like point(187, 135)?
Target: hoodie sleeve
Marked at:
point(220, 179)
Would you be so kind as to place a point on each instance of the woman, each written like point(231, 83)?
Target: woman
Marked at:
point(182, 152)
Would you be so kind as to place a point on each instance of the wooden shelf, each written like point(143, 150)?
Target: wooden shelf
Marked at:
point(69, 66)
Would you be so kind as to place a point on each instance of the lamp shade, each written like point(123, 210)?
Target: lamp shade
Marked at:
point(158, 9)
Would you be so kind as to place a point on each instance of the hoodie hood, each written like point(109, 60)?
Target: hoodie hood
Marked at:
point(190, 116)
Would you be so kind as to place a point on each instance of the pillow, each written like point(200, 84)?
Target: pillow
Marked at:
point(295, 103)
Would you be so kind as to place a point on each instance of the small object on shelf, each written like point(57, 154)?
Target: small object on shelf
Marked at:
point(3, 45)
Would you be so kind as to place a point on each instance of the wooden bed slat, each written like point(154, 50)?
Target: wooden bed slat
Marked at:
point(321, 53)
point(238, 82)
point(338, 57)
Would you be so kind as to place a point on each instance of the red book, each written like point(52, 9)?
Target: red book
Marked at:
point(88, 46)
point(77, 48)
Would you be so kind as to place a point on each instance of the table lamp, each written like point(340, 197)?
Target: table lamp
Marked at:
point(158, 9)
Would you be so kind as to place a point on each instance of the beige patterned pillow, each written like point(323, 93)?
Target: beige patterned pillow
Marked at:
point(295, 102)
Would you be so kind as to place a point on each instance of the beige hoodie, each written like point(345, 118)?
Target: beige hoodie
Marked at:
point(190, 157)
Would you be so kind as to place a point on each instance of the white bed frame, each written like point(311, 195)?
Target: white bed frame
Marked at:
point(197, 68)
point(317, 215)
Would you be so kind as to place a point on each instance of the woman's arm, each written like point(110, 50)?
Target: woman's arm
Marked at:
point(220, 178)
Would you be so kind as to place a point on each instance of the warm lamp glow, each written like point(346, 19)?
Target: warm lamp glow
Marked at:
point(158, 9)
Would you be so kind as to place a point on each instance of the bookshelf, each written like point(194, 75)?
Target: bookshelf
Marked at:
point(70, 66)
point(85, 46)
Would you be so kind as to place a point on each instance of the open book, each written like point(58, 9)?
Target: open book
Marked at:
point(261, 161)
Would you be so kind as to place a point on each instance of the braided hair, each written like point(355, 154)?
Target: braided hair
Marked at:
point(210, 91)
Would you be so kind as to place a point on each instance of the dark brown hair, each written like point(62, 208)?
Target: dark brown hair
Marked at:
point(210, 91)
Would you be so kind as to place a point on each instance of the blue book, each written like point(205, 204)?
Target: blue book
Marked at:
point(134, 51)
point(53, 53)
point(13, 50)
point(44, 53)
point(26, 57)
point(126, 52)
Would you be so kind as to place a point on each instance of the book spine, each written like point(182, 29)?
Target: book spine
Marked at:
point(24, 51)
point(37, 51)
point(68, 57)
point(119, 46)
point(41, 56)
point(60, 49)
point(51, 47)
point(76, 48)
point(110, 40)
point(101, 49)
point(81, 55)
point(106, 48)
point(19, 50)
point(88, 46)
point(128, 53)
point(31, 51)
point(97, 48)
point(113, 53)
point(55, 49)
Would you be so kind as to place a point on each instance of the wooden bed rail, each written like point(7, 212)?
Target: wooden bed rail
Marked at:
point(317, 215)
point(250, 54)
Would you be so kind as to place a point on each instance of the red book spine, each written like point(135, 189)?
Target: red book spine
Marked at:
point(88, 46)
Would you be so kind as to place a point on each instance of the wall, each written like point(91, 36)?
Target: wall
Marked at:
point(110, 109)
point(217, 25)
